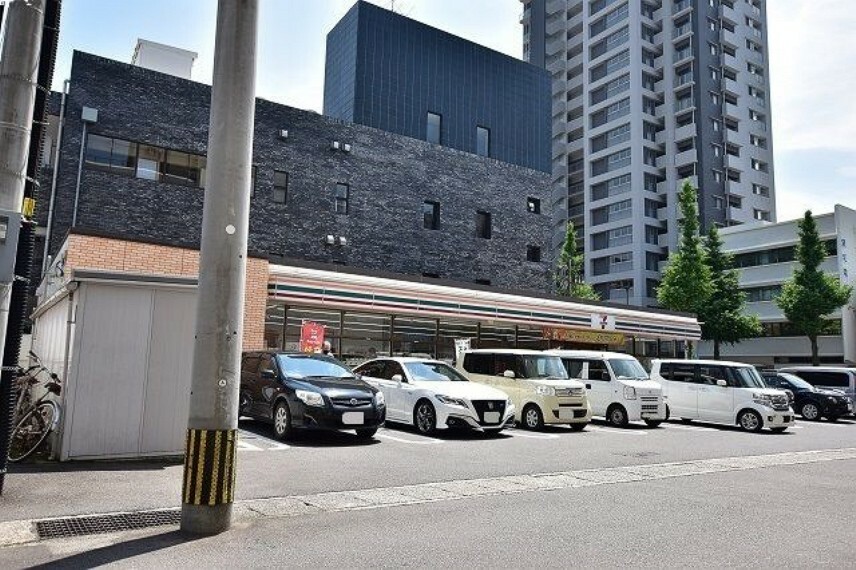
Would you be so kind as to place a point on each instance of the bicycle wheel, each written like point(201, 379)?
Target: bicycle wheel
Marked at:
point(31, 431)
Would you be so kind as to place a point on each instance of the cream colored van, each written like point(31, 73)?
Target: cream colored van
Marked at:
point(537, 384)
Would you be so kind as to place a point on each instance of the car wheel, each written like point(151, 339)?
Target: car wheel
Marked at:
point(579, 427)
point(425, 418)
point(532, 417)
point(617, 416)
point(810, 411)
point(749, 420)
point(367, 433)
point(281, 420)
point(778, 429)
point(653, 423)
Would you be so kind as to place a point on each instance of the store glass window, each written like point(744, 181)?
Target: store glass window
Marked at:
point(364, 336)
point(497, 336)
point(275, 326)
point(448, 332)
point(295, 316)
point(414, 337)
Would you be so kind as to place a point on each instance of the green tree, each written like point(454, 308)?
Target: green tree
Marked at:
point(686, 284)
point(810, 295)
point(569, 270)
point(722, 316)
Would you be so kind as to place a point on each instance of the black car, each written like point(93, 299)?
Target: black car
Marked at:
point(308, 391)
point(810, 402)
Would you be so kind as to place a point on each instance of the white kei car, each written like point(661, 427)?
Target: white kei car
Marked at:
point(430, 395)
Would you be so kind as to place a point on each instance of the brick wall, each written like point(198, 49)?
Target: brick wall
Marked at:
point(390, 176)
point(92, 252)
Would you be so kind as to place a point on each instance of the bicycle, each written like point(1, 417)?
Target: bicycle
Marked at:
point(37, 419)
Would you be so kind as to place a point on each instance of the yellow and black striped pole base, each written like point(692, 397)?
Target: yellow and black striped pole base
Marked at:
point(209, 467)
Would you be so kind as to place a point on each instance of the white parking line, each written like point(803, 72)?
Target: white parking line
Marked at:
point(518, 433)
point(244, 446)
point(616, 431)
point(688, 428)
point(422, 441)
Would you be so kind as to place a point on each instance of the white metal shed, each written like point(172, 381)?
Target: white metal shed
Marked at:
point(123, 346)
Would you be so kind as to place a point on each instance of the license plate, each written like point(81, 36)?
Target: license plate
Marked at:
point(565, 414)
point(353, 418)
point(786, 419)
point(491, 417)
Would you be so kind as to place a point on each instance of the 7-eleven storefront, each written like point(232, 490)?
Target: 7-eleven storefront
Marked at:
point(366, 315)
point(115, 320)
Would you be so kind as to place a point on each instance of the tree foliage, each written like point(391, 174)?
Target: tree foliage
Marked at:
point(810, 295)
point(722, 315)
point(569, 270)
point(686, 284)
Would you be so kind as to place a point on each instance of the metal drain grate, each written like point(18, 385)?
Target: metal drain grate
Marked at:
point(97, 524)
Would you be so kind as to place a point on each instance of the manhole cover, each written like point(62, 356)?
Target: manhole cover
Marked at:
point(97, 524)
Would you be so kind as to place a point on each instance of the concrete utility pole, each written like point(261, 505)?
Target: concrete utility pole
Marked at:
point(19, 67)
point(210, 458)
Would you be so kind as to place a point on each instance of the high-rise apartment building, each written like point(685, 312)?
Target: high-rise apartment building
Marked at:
point(646, 94)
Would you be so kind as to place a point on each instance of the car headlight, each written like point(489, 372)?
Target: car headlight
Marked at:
point(508, 403)
point(629, 393)
point(452, 401)
point(578, 391)
point(309, 398)
point(763, 400)
point(545, 390)
point(379, 400)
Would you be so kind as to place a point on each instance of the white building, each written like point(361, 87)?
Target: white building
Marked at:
point(166, 59)
point(765, 255)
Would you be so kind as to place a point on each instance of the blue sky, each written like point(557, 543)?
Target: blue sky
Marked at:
point(811, 49)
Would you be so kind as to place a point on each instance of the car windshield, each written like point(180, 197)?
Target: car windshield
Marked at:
point(433, 372)
point(626, 368)
point(537, 366)
point(798, 382)
point(747, 377)
point(312, 366)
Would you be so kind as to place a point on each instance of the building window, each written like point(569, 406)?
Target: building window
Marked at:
point(341, 196)
point(533, 205)
point(533, 253)
point(433, 122)
point(759, 190)
point(431, 215)
point(430, 274)
point(482, 141)
point(483, 229)
point(280, 186)
point(718, 203)
point(762, 215)
point(482, 281)
point(149, 160)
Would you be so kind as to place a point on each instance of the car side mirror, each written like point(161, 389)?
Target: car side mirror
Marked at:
point(722, 383)
point(508, 374)
point(604, 375)
point(268, 373)
point(398, 378)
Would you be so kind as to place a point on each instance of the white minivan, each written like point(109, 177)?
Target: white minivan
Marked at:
point(722, 392)
point(618, 386)
point(537, 384)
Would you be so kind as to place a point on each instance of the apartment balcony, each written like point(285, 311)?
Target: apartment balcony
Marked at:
point(733, 137)
point(557, 65)
point(733, 162)
point(555, 25)
point(682, 32)
point(731, 86)
point(575, 124)
point(664, 188)
point(663, 239)
point(731, 111)
point(662, 161)
point(681, 8)
point(685, 132)
point(575, 61)
point(755, 57)
point(559, 108)
point(731, 62)
point(556, 45)
point(728, 14)
point(728, 38)
point(554, 6)
point(686, 157)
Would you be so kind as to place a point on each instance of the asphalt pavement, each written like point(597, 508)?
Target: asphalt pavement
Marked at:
point(767, 514)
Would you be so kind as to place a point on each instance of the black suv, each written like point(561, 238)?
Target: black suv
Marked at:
point(810, 402)
point(308, 391)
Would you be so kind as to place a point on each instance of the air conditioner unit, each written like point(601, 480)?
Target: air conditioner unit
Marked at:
point(283, 134)
point(335, 145)
point(343, 241)
point(330, 239)
point(346, 147)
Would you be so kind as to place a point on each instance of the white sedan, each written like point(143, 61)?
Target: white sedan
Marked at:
point(430, 395)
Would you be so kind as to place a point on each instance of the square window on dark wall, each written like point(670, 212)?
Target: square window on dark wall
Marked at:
point(280, 186)
point(483, 225)
point(433, 124)
point(533, 253)
point(482, 141)
point(149, 161)
point(482, 281)
point(341, 196)
point(177, 168)
point(98, 151)
point(533, 205)
point(431, 215)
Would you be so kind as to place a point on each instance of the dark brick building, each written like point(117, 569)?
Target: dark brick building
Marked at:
point(388, 71)
point(402, 205)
